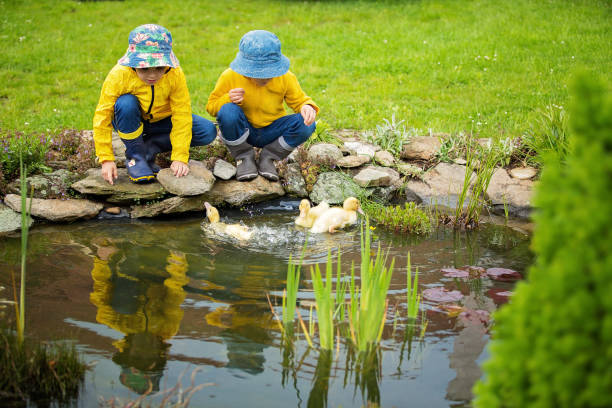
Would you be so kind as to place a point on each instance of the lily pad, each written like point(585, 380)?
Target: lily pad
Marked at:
point(455, 273)
point(499, 296)
point(440, 294)
point(503, 274)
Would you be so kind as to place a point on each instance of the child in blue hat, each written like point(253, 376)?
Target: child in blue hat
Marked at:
point(248, 101)
point(146, 100)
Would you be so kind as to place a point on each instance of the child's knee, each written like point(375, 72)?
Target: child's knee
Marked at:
point(204, 131)
point(127, 104)
point(228, 113)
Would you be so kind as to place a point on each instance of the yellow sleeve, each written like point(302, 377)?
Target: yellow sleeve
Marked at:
point(112, 88)
point(295, 96)
point(219, 96)
point(180, 104)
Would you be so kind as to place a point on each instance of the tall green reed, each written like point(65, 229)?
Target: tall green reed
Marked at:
point(290, 293)
point(413, 298)
point(25, 218)
point(368, 302)
point(477, 186)
point(325, 303)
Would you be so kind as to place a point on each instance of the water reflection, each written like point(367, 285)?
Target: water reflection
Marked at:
point(143, 303)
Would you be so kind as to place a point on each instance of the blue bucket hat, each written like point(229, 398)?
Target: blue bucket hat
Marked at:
point(150, 45)
point(259, 56)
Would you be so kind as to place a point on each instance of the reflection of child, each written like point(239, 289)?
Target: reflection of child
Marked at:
point(146, 100)
point(248, 101)
point(144, 308)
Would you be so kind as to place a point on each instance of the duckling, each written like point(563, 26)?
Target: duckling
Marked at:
point(240, 232)
point(336, 217)
point(308, 215)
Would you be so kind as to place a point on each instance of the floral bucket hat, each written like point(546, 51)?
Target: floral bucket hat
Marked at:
point(259, 56)
point(150, 45)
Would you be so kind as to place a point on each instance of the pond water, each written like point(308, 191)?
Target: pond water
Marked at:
point(147, 302)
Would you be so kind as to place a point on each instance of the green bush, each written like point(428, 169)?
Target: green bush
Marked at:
point(552, 345)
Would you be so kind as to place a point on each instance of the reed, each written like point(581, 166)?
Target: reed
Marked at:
point(489, 158)
point(325, 303)
point(368, 305)
point(25, 218)
point(290, 293)
point(413, 299)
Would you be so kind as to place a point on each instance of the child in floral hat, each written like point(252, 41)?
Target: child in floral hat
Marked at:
point(248, 101)
point(146, 100)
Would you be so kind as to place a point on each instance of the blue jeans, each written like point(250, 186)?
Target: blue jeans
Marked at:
point(234, 124)
point(127, 119)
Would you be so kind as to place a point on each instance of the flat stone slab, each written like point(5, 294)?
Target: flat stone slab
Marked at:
point(124, 190)
point(523, 173)
point(57, 210)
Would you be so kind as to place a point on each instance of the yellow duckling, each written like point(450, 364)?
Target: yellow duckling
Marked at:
point(336, 217)
point(240, 232)
point(308, 215)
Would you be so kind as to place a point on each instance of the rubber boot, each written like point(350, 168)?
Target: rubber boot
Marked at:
point(270, 153)
point(244, 155)
point(136, 163)
point(154, 145)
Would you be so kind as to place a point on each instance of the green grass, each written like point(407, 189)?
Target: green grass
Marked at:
point(436, 64)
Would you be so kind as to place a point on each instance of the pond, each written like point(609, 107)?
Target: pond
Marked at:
point(147, 302)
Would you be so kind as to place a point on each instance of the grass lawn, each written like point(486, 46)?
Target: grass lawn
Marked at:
point(481, 65)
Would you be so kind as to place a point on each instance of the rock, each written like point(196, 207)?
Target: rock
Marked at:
point(10, 220)
point(199, 180)
point(514, 194)
point(421, 148)
point(294, 183)
point(384, 158)
point(440, 186)
point(224, 170)
point(334, 188)
point(171, 205)
point(57, 210)
point(461, 161)
point(324, 153)
point(410, 170)
point(238, 193)
point(123, 191)
point(113, 210)
point(361, 148)
point(523, 173)
point(353, 161)
point(375, 176)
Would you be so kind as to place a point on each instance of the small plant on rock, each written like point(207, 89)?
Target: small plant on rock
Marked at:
point(390, 136)
point(407, 218)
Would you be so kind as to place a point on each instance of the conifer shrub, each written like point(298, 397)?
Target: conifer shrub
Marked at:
point(552, 344)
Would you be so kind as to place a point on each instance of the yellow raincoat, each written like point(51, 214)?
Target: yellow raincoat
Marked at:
point(168, 97)
point(262, 105)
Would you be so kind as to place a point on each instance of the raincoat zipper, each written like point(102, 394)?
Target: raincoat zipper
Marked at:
point(149, 117)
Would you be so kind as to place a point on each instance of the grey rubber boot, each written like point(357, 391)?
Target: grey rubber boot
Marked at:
point(243, 153)
point(277, 150)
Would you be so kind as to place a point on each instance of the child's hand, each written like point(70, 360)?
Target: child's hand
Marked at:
point(179, 168)
point(109, 171)
point(236, 95)
point(309, 114)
